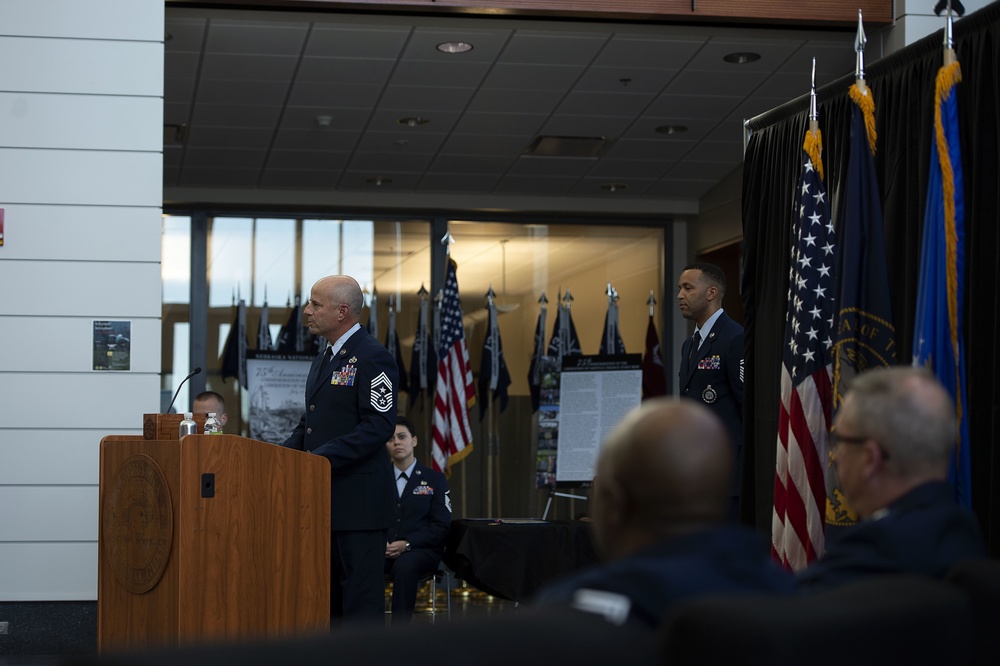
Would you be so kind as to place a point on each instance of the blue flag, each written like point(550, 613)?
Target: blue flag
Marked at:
point(937, 335)
point(865, 337)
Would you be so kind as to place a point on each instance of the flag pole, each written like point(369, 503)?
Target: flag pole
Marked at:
point(489, 411)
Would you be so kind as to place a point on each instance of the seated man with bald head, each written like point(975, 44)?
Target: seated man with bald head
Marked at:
point(658, 519)
point(892, 442)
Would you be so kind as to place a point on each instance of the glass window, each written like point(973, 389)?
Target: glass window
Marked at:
point(273, 261)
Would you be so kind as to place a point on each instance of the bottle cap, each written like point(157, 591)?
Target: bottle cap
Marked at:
point(188, 415)
point(211, 415)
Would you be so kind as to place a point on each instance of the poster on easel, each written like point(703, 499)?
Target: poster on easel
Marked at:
point(595, 392)
point(276, 384)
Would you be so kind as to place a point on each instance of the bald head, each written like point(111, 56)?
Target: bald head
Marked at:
point(665, 469)
point(334, 306)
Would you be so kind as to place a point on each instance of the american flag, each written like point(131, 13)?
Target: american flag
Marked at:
point(454, 392)
point(806, 389)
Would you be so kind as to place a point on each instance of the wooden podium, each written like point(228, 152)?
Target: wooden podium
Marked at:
point(210, 538)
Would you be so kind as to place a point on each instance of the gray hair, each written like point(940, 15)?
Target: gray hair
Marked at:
point(911, 416)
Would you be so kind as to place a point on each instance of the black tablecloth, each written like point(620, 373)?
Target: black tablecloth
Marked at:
point(513, 560)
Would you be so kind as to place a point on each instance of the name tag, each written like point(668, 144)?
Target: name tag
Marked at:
point(344, 377)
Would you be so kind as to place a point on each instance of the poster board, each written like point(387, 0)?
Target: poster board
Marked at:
point(276, 384)
point(595, 392)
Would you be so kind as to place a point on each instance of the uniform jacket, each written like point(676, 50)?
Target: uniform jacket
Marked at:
point(718, 364)
point(646, 585)
point(350, 414)
point(924, 533)
point(423, 512)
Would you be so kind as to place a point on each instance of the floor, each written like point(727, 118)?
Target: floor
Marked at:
point(466, 602)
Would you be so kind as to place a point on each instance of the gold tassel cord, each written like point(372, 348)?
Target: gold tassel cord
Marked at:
point(866, 102)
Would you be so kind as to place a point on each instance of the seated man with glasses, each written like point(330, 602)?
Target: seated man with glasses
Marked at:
point(892, 442)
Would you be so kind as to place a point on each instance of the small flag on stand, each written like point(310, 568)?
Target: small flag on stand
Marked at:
point(290, 338)
point(493, 373)
point(423, 362)
point(234, 353)
point(564, 340)
point(264, 328)
point(534, 372)
point(392, 344)
point(611, 340)
point(654, 379)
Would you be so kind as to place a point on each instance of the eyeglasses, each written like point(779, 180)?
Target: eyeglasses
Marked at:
point(837, 438)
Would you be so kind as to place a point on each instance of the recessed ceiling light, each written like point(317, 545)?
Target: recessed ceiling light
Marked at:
point(741, 58)
point(614, 187)
point(412, 122)
point(454, 47)
point(379, 182)
point(671, 129)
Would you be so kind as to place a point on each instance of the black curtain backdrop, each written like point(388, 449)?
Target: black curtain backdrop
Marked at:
point(903, 88)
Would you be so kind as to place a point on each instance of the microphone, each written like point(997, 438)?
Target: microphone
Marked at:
point(183, 381)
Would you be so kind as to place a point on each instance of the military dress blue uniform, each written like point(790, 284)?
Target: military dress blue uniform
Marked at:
point(642, 588)
point(714, 377)
point(423, 518)
point(923, 533)
point(350, 414)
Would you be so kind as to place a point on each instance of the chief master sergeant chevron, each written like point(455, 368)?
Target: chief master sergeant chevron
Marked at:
point(351, 394)
point(712, 359)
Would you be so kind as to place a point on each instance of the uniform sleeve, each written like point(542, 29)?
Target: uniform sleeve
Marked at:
point(377, 392)
point(734, 369)
point(297, 439)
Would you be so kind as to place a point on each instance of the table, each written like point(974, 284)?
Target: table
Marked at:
point(512, 559)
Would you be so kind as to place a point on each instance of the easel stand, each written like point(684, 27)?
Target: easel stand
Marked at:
point(553, 493)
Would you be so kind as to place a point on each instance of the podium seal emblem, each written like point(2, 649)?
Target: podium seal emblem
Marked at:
point(137, 522)
point(709, 395)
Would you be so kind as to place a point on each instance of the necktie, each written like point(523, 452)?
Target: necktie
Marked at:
point(401, 483)
point(695, 343)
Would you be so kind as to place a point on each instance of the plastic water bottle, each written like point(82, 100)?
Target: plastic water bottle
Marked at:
point(188, 426)
point(212, 425)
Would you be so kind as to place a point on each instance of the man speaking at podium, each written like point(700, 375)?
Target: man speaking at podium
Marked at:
point(350, 413)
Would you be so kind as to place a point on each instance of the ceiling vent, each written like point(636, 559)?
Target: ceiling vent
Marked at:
point(568, 146)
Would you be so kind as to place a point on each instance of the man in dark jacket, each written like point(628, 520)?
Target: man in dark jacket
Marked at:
point(892, 442)
point(350, 412)
point(423, 516)
point(659, 521)
point(712, 358)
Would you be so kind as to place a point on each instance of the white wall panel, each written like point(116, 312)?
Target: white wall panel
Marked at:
point(94, 19)
point(89, 233)
point(80, 121)
point(80, 177)
point(49, 455)
point(73, 337)
point(48, 571)
point(49, 513)
point(80, 289)
point(81, 66)
point(98, 401)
